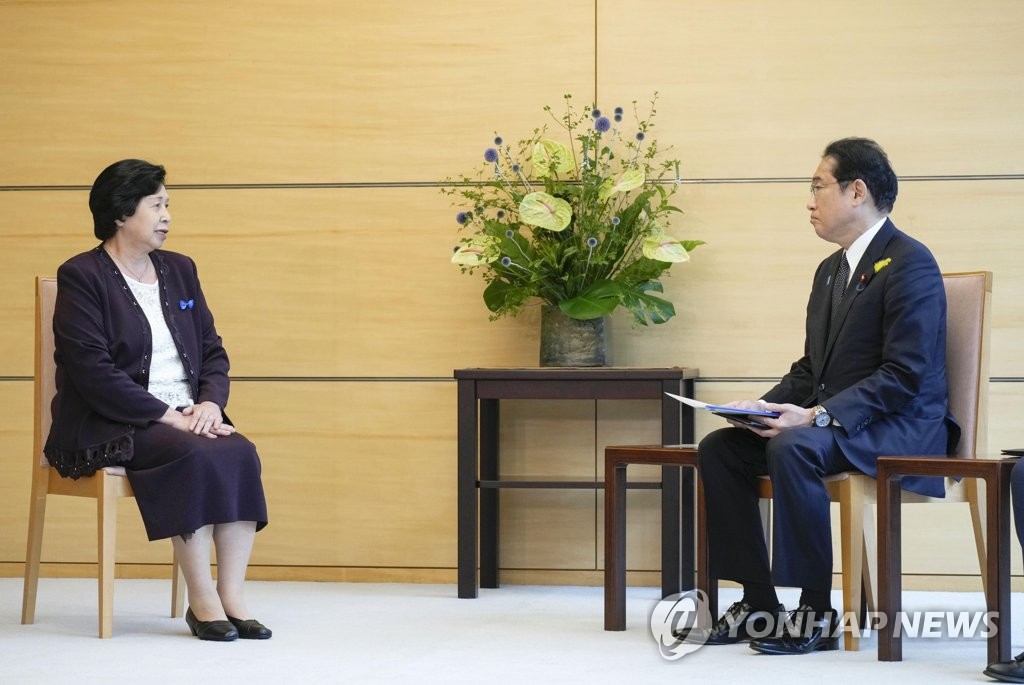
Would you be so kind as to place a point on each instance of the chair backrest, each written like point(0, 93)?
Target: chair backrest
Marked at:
point(968, 304)
point(45, 367)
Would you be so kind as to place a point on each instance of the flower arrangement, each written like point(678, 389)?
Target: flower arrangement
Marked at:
point(581, 226)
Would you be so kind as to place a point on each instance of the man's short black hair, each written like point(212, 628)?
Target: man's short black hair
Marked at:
point(865, 159)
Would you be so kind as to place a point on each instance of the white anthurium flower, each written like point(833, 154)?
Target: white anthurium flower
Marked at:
point(550, 156)
point(546, 211)
point(628, 180)
point(664, 248)
point(477, 252)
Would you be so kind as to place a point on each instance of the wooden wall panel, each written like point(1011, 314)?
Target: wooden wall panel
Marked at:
point(747, 86)
point(331, 283)
point(741, 301)
point(314, 272)
point(548, 529)
point(15, 464)
point(356, 474)
point(546, 438)
point(387, 499)
point(328, 282)
point(302, 282)
point(38, 231)
point(279, 91)
point(70, 531)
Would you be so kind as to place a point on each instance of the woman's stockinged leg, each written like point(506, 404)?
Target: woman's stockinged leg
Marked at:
point(233, 542)
point(194, 558)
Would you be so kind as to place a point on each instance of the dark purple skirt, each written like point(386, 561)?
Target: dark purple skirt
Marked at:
point(184, 481)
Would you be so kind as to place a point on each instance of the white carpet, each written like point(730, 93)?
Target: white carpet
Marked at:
point(392, 633)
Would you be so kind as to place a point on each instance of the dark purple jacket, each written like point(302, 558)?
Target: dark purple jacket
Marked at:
point(103, 349)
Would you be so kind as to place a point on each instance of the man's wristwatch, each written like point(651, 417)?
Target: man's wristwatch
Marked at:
point(822, 418)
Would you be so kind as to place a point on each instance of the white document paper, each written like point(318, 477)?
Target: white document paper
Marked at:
point(717, 409)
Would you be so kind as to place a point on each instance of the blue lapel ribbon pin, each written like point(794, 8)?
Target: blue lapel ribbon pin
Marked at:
point(185, 304)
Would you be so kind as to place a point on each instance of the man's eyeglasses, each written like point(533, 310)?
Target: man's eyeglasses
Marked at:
point(815, 187)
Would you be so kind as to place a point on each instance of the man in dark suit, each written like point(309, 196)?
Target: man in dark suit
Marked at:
point(871, 381)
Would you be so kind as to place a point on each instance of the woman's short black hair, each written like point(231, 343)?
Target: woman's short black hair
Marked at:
point(117, 191)
point(865, 159)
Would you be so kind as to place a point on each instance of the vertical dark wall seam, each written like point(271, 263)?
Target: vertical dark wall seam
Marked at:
point(596, 99)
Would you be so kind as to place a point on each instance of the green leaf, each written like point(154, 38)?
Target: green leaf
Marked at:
point(600, 299)
point(501, 295)
point(644, 306)
point(641, 271)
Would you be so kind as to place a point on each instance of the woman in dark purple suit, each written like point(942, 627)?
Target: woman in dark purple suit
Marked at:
point(142, 382)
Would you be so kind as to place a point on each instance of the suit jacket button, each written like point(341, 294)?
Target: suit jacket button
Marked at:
point(821, 387)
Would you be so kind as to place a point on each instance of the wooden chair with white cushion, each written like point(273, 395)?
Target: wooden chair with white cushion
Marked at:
point(968, 301)
point(106, 486)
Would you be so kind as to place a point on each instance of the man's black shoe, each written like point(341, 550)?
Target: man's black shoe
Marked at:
point(1007, 671)
point(804, 632)
point(736, 625)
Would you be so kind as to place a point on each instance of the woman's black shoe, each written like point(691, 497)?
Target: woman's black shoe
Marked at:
point(251, 629)
point(218, 631)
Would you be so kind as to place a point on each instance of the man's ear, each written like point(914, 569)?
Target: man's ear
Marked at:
point(861, 194)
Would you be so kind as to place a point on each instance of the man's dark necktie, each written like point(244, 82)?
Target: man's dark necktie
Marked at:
point(839, 285)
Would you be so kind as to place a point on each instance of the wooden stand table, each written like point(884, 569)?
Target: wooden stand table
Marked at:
point(479, 477)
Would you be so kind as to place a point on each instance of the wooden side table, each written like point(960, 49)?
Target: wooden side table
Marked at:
point(996, 474)
point(616, 459)
point(479, 479)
